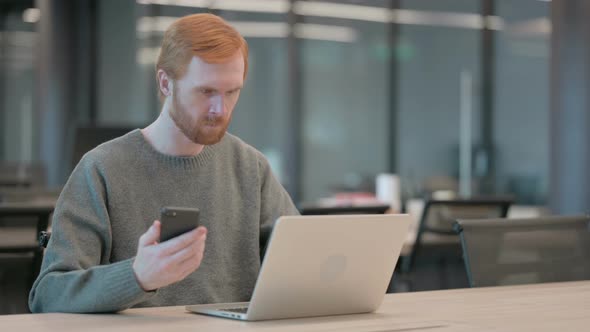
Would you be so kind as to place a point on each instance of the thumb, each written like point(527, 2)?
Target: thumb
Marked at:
point(151, 236)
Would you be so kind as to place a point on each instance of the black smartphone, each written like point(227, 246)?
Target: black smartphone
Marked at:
point(176, 221)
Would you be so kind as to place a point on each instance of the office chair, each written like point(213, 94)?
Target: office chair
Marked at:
point(522, 251)
point(20, 254)
point(435, 239)
point(87, 138)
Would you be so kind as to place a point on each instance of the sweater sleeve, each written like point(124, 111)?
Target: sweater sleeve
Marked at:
point(76, 275)
point(275, 201)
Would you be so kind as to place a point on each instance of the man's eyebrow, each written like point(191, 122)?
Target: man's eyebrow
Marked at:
point(204, 87)
point(207, 87)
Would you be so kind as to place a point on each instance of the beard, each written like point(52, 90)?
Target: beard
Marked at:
point(206, 130)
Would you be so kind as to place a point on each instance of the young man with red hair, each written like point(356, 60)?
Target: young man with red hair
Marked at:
point(104, 254)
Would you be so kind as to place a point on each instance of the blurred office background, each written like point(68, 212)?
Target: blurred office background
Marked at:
point(338, 91)
point(479, 97)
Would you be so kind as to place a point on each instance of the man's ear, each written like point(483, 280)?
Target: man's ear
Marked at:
point(165, 83)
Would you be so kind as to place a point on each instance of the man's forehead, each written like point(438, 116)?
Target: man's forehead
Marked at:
point(227, 75)
point(197, 67)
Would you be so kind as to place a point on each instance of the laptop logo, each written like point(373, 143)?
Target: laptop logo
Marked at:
point(332, 268)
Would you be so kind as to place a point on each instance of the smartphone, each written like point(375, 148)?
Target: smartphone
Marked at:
point(176, 221)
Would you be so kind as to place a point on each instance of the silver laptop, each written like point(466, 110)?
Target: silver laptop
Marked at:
point(322, 265)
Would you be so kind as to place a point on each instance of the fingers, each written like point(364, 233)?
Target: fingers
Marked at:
point(187, 269)
point(188, 259)
point(173, 246)
point(187, 263)
point(193, 262)
point(160, 265)
point(151, 236)
point(187, 252)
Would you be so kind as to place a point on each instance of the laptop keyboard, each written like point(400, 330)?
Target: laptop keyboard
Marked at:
point(241, 310)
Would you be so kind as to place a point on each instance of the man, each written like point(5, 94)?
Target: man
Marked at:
point(104, 254)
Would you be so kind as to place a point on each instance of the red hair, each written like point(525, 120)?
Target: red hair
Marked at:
point(204, 35)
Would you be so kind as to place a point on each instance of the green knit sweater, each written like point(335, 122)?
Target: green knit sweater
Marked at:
point(114, 195)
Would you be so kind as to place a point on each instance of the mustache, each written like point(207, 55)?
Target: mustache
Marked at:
point(212, 117)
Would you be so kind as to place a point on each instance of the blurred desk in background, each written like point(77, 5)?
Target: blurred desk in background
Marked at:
point(21, 174)
point(33, 196)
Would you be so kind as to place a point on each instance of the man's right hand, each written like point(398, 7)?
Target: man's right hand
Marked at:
point(161, 264)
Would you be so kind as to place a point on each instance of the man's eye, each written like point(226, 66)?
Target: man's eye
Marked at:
point(207, 91)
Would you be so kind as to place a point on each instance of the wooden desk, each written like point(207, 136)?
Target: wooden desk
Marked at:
point(541, 307)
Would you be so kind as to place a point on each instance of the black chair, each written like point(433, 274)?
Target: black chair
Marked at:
point(437, 243)
point(522, 251)
point(87, 138)
point(20, 253)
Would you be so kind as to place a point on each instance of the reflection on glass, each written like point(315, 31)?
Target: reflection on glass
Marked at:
point(345, 98)
point(18, 44)
point(522, 99)
point(432, 58)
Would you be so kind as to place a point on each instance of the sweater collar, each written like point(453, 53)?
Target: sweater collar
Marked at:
point(185, 162)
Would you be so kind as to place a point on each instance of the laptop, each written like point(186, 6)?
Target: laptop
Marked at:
point(322, 265)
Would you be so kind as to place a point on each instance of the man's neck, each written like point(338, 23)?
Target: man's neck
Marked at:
point(166, 138)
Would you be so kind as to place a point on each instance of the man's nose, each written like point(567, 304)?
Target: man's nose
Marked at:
point(217, 105)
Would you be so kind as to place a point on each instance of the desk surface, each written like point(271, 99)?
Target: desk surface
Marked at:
point(543, 307)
